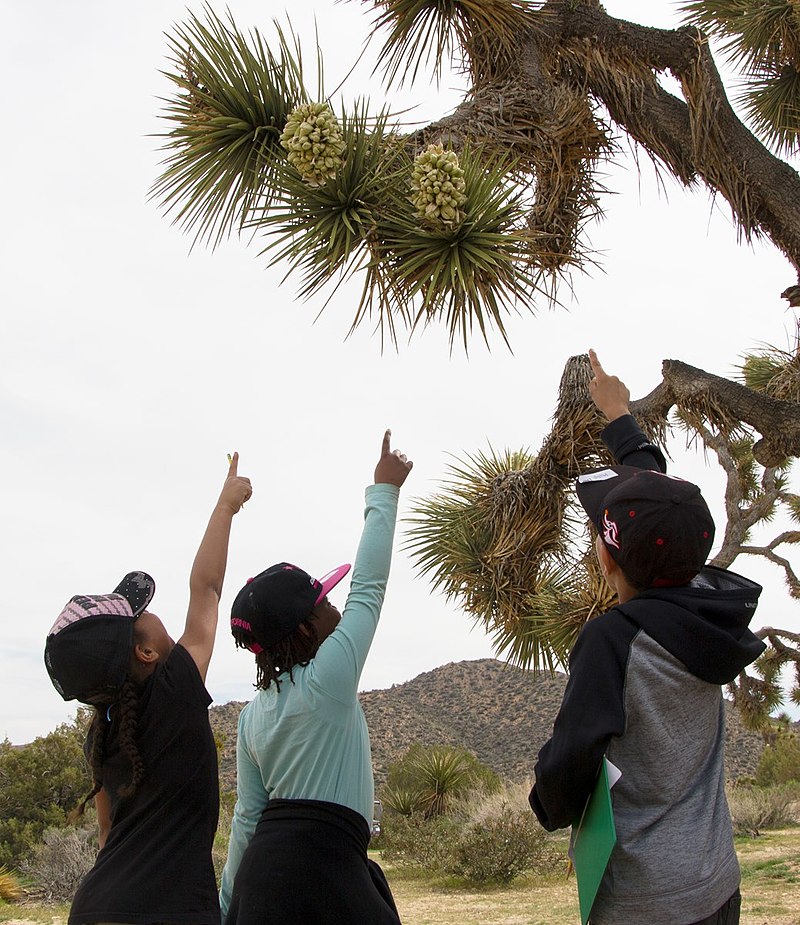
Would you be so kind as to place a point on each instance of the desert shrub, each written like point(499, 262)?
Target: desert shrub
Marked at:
point(501, 847)
point(417, 843)
point(39, 784)
point(479, 805)
point(780, 761)
point(10, 887)
point(61, 860)
point(754, 809)
point(486, 838)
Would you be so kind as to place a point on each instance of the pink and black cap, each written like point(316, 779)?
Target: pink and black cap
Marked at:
point(657, 528)
point(88, 649)
point(274, 603)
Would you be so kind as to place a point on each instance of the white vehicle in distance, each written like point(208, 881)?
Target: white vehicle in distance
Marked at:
point(377, 815)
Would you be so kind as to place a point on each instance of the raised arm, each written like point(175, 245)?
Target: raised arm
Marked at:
point(208, 570)
point(622, 435)
point(337, 666)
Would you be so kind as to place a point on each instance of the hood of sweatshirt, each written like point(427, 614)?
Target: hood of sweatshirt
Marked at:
point(704, 624)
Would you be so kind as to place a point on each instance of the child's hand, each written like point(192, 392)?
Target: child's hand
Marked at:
point(393, 467)
point(609, 393)
point(236, 489)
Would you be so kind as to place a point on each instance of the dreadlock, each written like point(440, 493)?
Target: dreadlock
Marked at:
point(126, 708)
point(296, 649)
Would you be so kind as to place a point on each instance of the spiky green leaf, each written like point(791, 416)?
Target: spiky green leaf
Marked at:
point(233, 95)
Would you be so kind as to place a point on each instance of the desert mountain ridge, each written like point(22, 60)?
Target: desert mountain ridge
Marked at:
point(500, 713)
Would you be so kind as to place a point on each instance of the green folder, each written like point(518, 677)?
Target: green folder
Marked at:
point(593, 841)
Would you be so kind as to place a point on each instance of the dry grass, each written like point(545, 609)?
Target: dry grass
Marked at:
point(552, 900)
point(770, 889)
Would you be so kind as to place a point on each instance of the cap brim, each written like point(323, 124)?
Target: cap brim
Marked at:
point(138, 589)
point(594, 486)
point(332, 579)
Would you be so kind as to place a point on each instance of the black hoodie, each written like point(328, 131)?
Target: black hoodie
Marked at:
point(644, 690)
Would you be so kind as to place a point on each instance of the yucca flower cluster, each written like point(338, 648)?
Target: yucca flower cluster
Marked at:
point(313, 138)
point(438, 184)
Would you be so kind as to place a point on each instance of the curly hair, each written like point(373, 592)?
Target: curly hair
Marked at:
point(296, 649)
point(126, 707)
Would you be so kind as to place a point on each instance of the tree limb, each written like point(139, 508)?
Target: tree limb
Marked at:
point(762, 190)
point(726, 405)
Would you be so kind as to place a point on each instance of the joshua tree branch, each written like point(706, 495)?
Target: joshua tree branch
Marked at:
point(726, 405)
point(704, 132)
point(767, 553)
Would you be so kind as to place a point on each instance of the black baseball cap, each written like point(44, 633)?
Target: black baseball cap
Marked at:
point(88, 649)
point(657, 527)
point(274, 603)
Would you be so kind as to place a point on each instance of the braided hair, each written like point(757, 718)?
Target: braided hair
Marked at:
point(96, 738)
point(295, 650)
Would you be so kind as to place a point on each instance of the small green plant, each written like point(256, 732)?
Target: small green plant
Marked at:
point(432, 779)
point(402, 800)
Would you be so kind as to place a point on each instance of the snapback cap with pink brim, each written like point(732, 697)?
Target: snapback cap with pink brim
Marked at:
point(330, 581)
point(274, 603)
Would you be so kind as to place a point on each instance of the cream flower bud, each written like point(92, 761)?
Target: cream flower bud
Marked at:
point(437, 183)
point(313, 139)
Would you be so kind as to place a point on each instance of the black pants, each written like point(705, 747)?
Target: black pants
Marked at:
point(307, 864)
point(727, 914)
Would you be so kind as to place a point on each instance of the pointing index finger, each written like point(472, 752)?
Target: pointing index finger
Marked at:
point(595, 363)
point(386, 446)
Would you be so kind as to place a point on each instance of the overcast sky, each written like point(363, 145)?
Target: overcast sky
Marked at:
point(130, 366)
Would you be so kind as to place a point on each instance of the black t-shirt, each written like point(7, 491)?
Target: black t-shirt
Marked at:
point(156, 864)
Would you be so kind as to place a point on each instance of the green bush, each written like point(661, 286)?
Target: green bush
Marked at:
point(780, 761)
point(39, 784)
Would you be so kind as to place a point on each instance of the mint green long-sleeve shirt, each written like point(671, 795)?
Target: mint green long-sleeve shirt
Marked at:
point(309, 741)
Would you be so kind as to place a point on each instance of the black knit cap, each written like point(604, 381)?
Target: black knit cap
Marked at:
point(274, 603)
point(88, 649)
point(657, 528)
